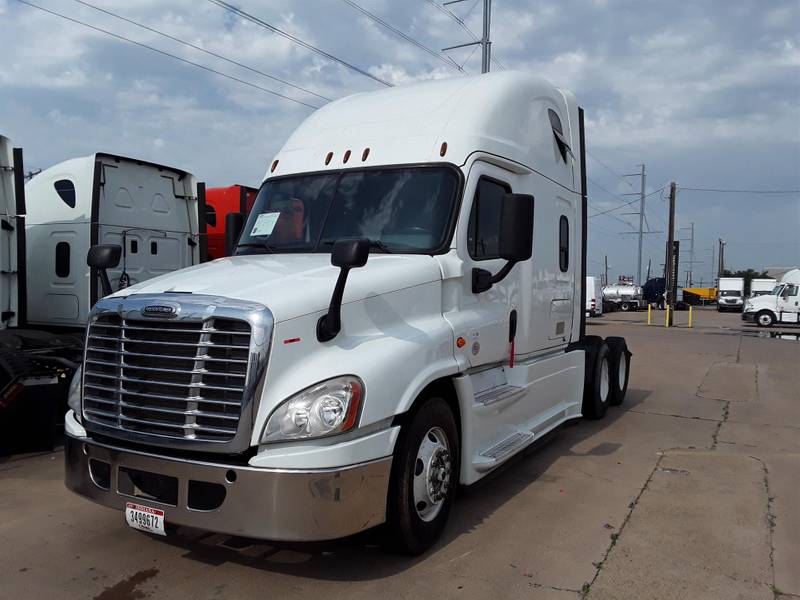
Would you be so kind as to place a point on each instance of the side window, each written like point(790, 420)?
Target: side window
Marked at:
point(483, 232)
point(558, 134)
point(563, 244)
point(791, 290)
point(62, 259)
point(66, 191)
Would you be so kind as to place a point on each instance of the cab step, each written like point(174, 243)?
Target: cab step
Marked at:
point(490, 457)
point(499, 393)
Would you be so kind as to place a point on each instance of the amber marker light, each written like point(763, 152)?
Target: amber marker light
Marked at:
point(347, 155)
point(461, 342)
point(364, 154)
point(443, 149)
point(328, 158)
point(274, 166)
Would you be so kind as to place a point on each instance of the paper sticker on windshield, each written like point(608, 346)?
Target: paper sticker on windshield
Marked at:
point(265, 223)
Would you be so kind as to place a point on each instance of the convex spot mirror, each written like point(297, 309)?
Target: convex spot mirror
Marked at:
point(516, 239)
point(350, 253)
point(104, 256)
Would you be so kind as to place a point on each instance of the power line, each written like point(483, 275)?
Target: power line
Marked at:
point(165, 53)
point(239, 12)
point(724, 191)
point(615, 208)
point(593, 182)
point(450, 14)
point(201, 49)
point(408, 38)
point(610, 170)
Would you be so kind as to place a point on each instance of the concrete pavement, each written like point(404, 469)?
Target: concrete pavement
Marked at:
point(686, 491)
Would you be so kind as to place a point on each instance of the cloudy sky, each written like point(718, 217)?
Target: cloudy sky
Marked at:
point(705, 93)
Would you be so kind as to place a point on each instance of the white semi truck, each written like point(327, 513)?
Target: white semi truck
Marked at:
point(730, 294)
point(782, 305)
point(404, 313)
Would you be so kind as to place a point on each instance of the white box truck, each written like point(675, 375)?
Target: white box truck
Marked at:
point(594, 297)
point(403, 314)
point(762, 287)
point(151, 211)
point(782, 305)
point(730, 294)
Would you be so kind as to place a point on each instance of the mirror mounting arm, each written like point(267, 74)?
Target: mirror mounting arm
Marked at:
point(330, 324)
point(483, 280)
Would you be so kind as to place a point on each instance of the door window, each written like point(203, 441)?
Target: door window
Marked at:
point(563, 244)
point(483, 232)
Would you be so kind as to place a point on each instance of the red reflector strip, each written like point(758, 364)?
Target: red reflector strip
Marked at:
point(291, 340)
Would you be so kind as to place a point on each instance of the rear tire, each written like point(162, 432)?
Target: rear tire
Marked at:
point(597, 393)
point(624, 306)
point(620, 369)
point(424, 479)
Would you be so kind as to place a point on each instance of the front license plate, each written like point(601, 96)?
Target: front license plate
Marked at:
point(145, 518)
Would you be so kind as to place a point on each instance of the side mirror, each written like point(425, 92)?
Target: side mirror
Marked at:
point(234, 223)
point(103, 257)
point(516, 239)
point(346, 254)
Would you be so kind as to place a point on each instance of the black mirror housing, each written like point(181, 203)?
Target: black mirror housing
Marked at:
point(350, 254)
point(516, 240)
point(104, 256)
point(516, 227)
point(234, 223)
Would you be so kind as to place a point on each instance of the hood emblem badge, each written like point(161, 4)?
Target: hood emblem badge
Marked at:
point(160, 310)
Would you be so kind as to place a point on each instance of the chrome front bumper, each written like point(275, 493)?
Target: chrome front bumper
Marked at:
point(285, 505)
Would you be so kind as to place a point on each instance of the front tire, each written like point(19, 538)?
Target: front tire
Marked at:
point(424, 478)
point(765, 319)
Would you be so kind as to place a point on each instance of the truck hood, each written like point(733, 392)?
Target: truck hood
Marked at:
point(292, 285)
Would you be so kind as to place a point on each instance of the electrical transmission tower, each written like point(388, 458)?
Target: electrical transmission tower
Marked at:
point(485, 42)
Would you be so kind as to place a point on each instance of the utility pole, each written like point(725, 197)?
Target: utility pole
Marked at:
point(649, 260)
point(721, 259)
point(605, 280)
point(671, 284)
point(641, 220)
point(485, 41)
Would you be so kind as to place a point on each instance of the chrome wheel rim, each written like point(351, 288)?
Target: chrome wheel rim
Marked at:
point(622, 372)
point(604, 381)
point(432, 469)
point(765, 320)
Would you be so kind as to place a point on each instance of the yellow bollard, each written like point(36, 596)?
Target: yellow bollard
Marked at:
point(649, 312)
point(690, 317)
point(666, 317)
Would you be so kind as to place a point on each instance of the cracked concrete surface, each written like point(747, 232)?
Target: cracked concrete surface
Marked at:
point(689, 490)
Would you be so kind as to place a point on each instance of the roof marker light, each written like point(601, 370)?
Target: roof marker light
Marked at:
point(364, 154)
point(328, 158)
point(443, 149)
point(274, 166)
point(346, 155)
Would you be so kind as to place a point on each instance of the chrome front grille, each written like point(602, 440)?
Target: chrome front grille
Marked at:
point(188, 380)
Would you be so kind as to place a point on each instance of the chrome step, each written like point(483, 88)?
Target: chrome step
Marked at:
point(506, 447)
point(499, 393)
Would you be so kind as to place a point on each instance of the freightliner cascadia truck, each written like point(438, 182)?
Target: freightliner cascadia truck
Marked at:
point(403, 313)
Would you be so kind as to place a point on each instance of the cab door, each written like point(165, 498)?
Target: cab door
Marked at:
point(483, 320)
point(789, 304)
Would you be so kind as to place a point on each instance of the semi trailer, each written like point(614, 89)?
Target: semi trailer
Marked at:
point(403, 313)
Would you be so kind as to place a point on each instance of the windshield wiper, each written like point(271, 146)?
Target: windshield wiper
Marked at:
point(258, 244)
point(377, 244)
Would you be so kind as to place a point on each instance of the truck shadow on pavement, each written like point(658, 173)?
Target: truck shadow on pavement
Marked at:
point(360, 557)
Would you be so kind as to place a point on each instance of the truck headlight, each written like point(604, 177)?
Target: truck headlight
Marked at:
point(327, 408)
point(74, 394)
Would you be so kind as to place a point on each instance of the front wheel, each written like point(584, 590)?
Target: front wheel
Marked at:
point(765, 319)
point(424, 478)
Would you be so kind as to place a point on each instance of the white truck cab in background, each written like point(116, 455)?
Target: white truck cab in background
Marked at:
point(594, 297)
point(782, 305)
point(730, 294)
point(151, 211)
point(762, 287)
point(404, 312)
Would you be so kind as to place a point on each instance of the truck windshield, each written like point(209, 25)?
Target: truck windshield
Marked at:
point(736, 293)
point(776, 291)
point(404, 210)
